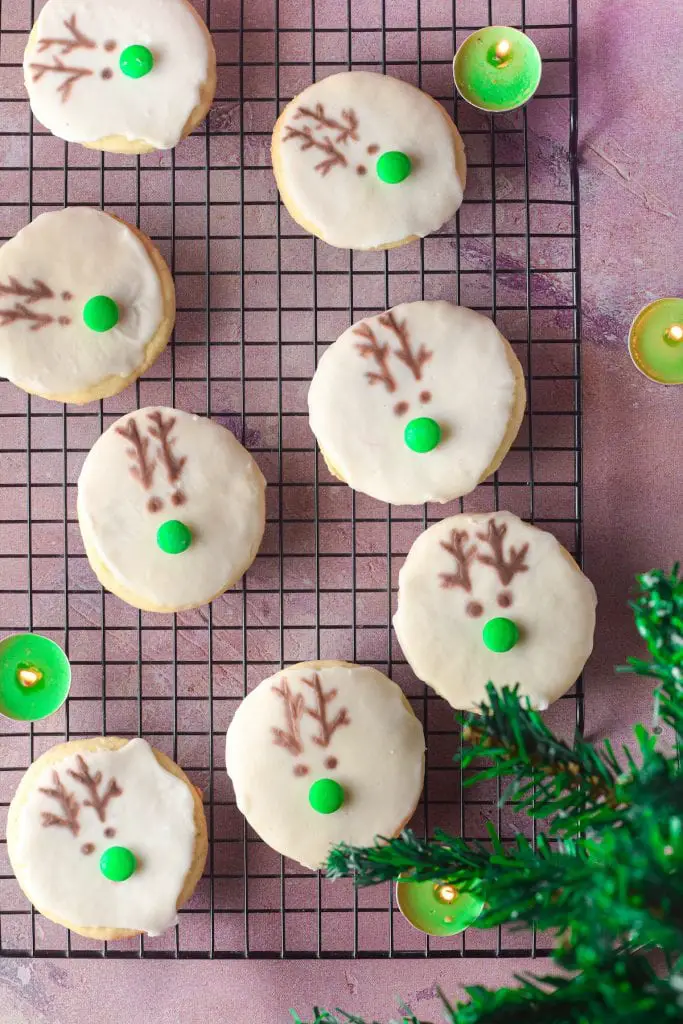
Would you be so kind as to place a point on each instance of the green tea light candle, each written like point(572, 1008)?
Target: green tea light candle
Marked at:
point(35, 676)
point(437, 908)
point(497, 69)
point(655, 341)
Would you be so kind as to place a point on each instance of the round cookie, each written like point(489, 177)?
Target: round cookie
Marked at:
point(127, 77)
point(488, 597)
point(107, 837)
point(417, 404)
point(325, 752)
point(87, 304)
point(171, 509)
point(366, 161)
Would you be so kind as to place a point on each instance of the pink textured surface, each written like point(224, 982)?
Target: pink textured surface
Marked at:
point(630, 207)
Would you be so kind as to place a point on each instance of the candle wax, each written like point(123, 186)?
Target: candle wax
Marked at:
point(437, 909)
point(497, 68)
point(656, 352)
point(35, 676)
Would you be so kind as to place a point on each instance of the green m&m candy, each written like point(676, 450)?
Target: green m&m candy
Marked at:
point(500, 635)
point(326, 796)
point(422, 434)
point(100, 313)
point(136, 61)
point(118, 863)
point(393, 167)
point(174, 537)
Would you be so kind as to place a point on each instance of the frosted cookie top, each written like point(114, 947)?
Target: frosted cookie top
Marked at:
point(48, 273)
point(134, 68)
point(172, 506)
point(489, 597)
point(323, 753)
point(421, 361)
point(335, 139)
point(67, 815)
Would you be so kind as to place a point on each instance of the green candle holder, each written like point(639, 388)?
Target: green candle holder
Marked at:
point(497, 69)
point(655, 341)
point(437, 908)
point(35, 676)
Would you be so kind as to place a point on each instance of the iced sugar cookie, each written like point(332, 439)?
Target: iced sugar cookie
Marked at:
point(126, 77)
point(325, 752)
point(489, 597)
point(365, 161)
point(86, 305)
point(107, 837)
point(171, 509)
point(417, 404)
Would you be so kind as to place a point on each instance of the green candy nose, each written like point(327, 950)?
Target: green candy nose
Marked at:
point(326, 796)
point(136, 61)
point(174, 537)
point(100, 313)
point(422, 434)
point(500, 635)
point(393, 167)
point(118, 863)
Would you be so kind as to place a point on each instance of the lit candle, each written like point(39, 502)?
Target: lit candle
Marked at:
point(655, 341)
point(35, 676)
point(437, 908)
point(497, 68)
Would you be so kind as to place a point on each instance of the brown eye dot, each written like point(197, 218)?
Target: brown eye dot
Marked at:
point(505, 600)
point(88, 848)
point(67, 296)
point(154, 505)
point(110, 832)
point(373, 149)
point(110, 45)
point(178, 498)
point(474, 609)
point(425, 396)
point(64, 320)
point(400, 408)
point(300, 769)
point(361, 170)
point(106, 73)
point(331, 763)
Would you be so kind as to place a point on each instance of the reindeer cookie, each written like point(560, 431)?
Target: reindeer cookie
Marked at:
point(86, 305)
point(127, 77)
point(365, 161)
point(417, 404)
point(107, 837)
point(171, 509)
point(325, 752)
point(490, 598)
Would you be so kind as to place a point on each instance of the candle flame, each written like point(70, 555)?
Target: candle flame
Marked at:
point(675, 333)
point(29, 676)
point(446, 893)
point(503, 49)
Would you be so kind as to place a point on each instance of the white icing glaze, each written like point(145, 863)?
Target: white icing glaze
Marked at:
point(153, 817)
point(224, 507)
point(553, 605)
point(153, 108)
point(79, 253)
point(471, 383)
point(356, 210)
point(379, 754)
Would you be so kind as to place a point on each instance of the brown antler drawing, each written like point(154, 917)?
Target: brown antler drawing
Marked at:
point(97, 801)
point(69, 804)
point(463, 556)
point(76, 41)
point(334, 156)
point(59, 67)
point(290, 738)
point(413, 360)
point(162, 431)
point(20, 312)
point(495, 538)
point(142, 468)
point(39, 290)
point(346, 131)
point(371, 349)
point(319, 713)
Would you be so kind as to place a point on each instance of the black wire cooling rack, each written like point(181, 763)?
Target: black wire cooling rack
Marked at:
point(257, 302)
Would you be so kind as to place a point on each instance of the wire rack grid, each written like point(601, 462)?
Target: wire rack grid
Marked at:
point(257, 302)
